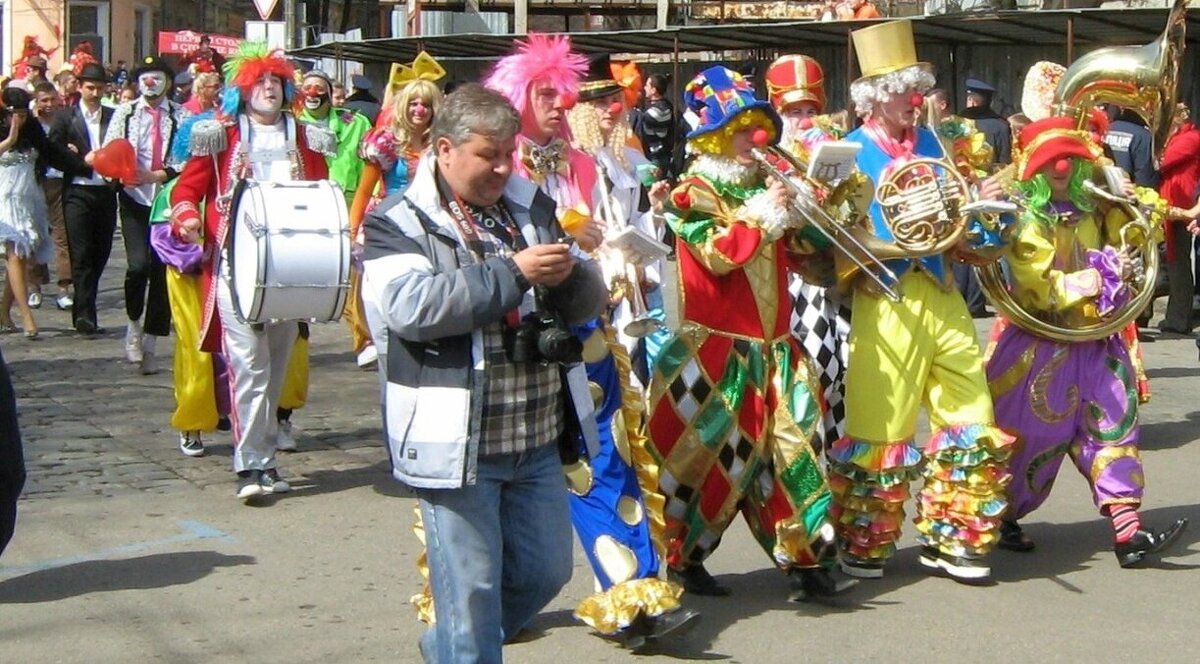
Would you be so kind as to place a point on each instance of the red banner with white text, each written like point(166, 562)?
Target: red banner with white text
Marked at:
point(186, 41)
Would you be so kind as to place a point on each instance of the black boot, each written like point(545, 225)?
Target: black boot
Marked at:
point(818, 582)
point(697, 581)
point(645, 629)
point(1146, 542)
point(1012, 538)
point(675, 623)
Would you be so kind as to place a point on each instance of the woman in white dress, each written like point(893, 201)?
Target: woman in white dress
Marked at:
point(24, 225)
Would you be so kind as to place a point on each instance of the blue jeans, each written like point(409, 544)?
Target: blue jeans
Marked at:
point(499, 550)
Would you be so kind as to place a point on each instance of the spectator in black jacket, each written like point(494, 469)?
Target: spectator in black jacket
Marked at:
point(362, 100)
point(656, 126)
point(988, 121)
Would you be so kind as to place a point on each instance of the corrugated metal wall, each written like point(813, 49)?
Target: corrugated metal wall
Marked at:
point(1002, 66)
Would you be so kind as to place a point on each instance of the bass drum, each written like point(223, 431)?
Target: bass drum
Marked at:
point(289, 251)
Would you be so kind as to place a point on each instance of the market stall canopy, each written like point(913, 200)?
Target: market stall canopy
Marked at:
point(1082, 27)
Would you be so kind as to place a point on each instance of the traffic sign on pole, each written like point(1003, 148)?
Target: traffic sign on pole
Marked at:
point(265, 8)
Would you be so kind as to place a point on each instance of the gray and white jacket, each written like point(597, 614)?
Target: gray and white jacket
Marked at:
point(436, 297)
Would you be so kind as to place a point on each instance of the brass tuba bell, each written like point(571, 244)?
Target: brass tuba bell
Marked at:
point(1141, 78)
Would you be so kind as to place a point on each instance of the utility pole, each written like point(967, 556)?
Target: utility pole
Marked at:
point(289, 24)
point(520, 17)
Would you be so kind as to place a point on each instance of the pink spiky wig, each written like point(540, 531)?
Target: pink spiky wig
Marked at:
point(539, 58)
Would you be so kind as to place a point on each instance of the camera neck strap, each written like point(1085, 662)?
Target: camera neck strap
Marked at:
point(502, 227)
point(499, 224)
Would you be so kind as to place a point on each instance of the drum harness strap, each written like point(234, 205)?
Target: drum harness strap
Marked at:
point(242, 170)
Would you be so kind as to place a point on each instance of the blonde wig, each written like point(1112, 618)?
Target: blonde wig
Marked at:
point(402, 127)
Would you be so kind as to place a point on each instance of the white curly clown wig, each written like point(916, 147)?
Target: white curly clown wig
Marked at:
point(866, 92)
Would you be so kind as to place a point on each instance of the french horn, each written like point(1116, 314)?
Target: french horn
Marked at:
point(1143, 79)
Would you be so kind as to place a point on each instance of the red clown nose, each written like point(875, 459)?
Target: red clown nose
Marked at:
point(917, 99)
point(1062, 166)
point(760, 138)
point(615, 108)
point(806, 124)
point(567, 101)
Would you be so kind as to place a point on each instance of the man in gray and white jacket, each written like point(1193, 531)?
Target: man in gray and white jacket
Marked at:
point(452, 266)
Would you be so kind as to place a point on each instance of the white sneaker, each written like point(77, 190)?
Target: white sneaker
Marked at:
point(35, 300)
point(133, 342)
point(64, 301)
point(149, 363)
point(368, 357)
point(283, 438)
point(190, 443)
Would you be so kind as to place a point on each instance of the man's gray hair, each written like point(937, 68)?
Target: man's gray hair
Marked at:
point(474, 109)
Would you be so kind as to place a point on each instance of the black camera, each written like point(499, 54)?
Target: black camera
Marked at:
point(542, 336)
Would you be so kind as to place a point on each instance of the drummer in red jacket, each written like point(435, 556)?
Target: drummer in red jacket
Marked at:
point(253, 138)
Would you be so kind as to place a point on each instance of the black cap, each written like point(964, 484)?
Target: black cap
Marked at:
point(16, 98)
point(93, 71)
point(598, 82)
point(154, 63)
point(978, 87)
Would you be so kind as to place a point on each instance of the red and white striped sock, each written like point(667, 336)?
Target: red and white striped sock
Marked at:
point(1125, 521)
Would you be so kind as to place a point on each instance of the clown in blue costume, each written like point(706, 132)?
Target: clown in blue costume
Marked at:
point(919, 349)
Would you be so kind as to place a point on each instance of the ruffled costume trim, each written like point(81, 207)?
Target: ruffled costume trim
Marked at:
point(422, 602)
point(959, 507)
point(615, 609)
point(633, 415)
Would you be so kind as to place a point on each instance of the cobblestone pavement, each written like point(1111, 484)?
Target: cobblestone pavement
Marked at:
point(93, 425)
point(126, 551)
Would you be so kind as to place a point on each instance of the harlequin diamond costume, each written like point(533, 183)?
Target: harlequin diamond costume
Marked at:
point(616, 527)
point(735, 407)
point(920, 349)
point(820, 316)
point(1076, 399)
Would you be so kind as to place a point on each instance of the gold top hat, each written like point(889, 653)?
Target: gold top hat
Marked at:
point(885, 48)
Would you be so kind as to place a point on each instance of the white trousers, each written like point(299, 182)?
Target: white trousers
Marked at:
point(258, 357)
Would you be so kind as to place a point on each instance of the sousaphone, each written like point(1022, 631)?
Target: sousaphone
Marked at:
point(1142, 79)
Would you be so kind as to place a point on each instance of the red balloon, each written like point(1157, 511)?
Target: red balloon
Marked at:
point(116, 160)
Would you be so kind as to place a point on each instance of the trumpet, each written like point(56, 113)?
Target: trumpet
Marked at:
point(626, 280)
point(804, 190)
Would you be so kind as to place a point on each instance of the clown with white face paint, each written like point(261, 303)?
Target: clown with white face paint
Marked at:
point(254, 138)
point(150, 124)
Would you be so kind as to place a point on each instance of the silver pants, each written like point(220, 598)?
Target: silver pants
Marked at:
point(257, 356)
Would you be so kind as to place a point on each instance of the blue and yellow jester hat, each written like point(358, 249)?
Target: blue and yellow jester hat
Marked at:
point(719, 95)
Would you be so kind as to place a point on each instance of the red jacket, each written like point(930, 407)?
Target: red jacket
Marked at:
point(206, 177)
point(1180, 171)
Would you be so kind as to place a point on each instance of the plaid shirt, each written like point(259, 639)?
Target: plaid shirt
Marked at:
point(523, 403)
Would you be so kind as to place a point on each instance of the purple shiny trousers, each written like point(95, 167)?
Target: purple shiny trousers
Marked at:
point(1067, 399)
